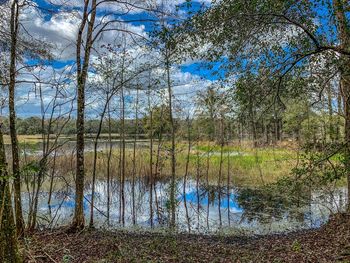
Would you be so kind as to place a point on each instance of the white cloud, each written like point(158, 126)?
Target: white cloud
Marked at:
point(127, 6)
point(60, 30)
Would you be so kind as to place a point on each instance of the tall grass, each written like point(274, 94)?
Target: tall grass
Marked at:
point(248, 166)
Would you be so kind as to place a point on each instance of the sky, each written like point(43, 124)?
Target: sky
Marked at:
point(56, 25)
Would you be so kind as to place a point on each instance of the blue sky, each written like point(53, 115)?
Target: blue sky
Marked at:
point(53, 25)
point(59, 29)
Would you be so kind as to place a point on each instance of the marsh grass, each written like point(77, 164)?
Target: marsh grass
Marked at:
point(248, 166)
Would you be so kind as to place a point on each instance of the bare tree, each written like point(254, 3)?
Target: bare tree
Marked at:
point(134, 171)
point(97, 137)
point(51, 117)
point(151, 132)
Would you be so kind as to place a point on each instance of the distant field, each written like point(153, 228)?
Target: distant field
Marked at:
point(38, 137)
point(24, 138)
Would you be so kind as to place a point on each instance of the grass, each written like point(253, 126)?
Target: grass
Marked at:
point(245, 165)
point(37, 138)
point(248, 168)
point(31, 139)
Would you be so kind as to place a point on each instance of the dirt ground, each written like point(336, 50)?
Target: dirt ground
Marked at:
point(331, 243)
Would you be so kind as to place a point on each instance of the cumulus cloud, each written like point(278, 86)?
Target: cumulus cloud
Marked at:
point(60, 28)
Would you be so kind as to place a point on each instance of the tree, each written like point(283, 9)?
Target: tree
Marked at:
point(83, 50)
point(283, 36)
point(51, 131)
point(90, 32)
point(209, 101)
point(18, 45)
point(8, 238)
point(160, 121)
point(14, 28)
point(343, 25)
point(168, 52)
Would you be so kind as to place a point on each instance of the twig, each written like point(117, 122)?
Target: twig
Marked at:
point(50, 257)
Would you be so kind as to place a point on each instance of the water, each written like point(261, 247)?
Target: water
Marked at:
point(199, 209)
point(69, 147)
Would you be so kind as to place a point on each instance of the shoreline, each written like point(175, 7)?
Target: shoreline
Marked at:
point(330, 243)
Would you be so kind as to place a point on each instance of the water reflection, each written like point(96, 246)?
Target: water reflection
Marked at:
point(35, 149)
point(200, 208)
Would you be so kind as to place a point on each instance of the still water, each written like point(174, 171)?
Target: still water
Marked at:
point(200, 208)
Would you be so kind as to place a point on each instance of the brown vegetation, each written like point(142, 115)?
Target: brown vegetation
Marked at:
point(331, 243)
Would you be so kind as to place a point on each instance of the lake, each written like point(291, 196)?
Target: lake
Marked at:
point(200, 208)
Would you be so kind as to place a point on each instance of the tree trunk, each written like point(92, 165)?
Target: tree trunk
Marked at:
point(8, 238)
point(158, 160)
point(188, 154)
point(78, 221)
point(122, 186)
point(331, 123)
point(344, 36)
point(150, 156)
point(222, 142)
point(52, 177)
point(91, 224)
point(340, 112)
point(173, 146)
point(109, 157)
point(12, 118)
point(122, 141)
point(82, 72)
point(134, 158)
point(207, 183)
point(186, 171)
point(253, 122)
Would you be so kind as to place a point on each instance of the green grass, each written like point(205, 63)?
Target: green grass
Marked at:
point(246, 166)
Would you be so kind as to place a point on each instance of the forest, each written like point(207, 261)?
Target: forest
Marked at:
point(174, 131)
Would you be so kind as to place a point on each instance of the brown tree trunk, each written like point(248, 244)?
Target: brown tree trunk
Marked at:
point(207, 183)
point(228, 187)
point(188, 154)
point(109, 157)
point(173, 146)
point(12, 117)
point(344, 35)
point(332, 132)
point(160, 141)
point(186, 171)
point(340, 113)
point(82, 72)
point(222, 143)
point(253, 127)
point(150, 155)
point(134, 158)
point(158, 161)
point(122, 169)
point(8, 238)
point(122, 185)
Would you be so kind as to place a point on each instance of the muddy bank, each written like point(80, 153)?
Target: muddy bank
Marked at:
point(330, 243)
